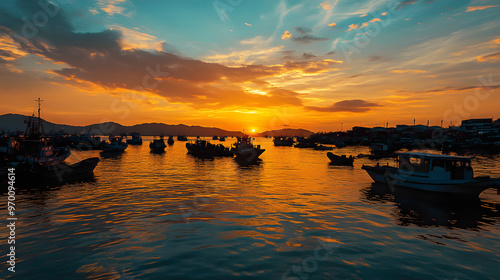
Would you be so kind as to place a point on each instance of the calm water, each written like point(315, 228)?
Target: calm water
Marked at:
point(293, 216)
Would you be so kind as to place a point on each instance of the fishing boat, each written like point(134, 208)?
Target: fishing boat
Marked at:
point(340, 160)
point(35, 146)
point(157, 145)
point(381, 150)
point(282, 141)
point(204, 149)
point(439, 174)
point(243, 149)
point(115, 144)
point(135, 140)
point(170, 140)
point(322, 148)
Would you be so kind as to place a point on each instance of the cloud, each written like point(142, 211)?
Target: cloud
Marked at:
point(248, 24)
point(308, 55)
point(405, 3)
point(103, 62)
point(479, 8)
point(325, 5)
point(305, 36)
point(352, 27)
point(333, 24)
point(364, 15)
point(133, 39)
point(384, 14)
point(404, 71)
point(353, 106)
point(286, 35)
point(489, 58)
point(110, 7)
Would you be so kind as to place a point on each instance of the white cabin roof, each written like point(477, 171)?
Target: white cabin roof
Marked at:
point(434, 156)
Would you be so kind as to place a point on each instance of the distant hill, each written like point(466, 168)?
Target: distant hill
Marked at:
point(17, 123)
point(286, 132)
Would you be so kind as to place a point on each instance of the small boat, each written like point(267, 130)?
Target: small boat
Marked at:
point(438, 174)
point(322, 148)
point(222, 138)
point(84, 142)
point(204, 149)
point(282, 141)
point(136, 139)
point(340, 160)
point(380, 150)
point(305, 143)
point(170, 140)
point(215, 138)
point(182, 138)
point(243, 149)
point(157, 145)
point(115, 144)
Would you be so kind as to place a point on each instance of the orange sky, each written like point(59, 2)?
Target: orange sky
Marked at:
point(307, 65)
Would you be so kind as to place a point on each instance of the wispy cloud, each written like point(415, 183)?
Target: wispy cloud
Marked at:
point(479, 8)
point(353, 106)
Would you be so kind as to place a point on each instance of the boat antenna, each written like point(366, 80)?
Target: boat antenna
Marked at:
point(40, 125)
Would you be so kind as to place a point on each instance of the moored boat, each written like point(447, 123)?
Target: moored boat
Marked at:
point(157, 145)
point(340, 160)
point(115, 144)
point(204, 149)
point(244, 149)
point(439, 174)
point(135, 140)
point(282, 141)
point(322, 148)
point(170, 140)
point(182, 138)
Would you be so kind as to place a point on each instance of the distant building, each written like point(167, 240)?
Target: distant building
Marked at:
point(478, 125)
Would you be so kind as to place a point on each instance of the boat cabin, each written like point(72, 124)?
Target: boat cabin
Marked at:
point(435, 167)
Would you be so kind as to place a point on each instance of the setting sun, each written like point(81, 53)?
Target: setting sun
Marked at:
point(253, 130)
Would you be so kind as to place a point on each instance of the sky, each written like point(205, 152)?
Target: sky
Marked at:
point(252, 64)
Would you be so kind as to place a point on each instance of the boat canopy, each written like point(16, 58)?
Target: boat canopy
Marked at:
point(452, 167)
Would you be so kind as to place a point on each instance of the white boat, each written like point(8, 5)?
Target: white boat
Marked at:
point(437, 173)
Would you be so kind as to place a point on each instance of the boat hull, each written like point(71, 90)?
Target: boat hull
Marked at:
point(463, 187)
point(379, 173)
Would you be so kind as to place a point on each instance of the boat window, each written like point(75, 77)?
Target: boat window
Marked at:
point(414, 164)
point(438, 163)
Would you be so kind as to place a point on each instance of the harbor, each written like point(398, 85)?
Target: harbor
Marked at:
point(180, 215)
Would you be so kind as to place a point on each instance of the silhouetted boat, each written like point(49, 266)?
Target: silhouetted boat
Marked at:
point(170, 140)
point(215, 138)
point(243, 149)
point(115, 144)
point(380, 150)
point(282, 141)
point(340, 160)
point(203, 148)
point(182, 138)
point(322, 148)
point(157, 145)
point(35, 146)
point(136, 139)
point(222, 138)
